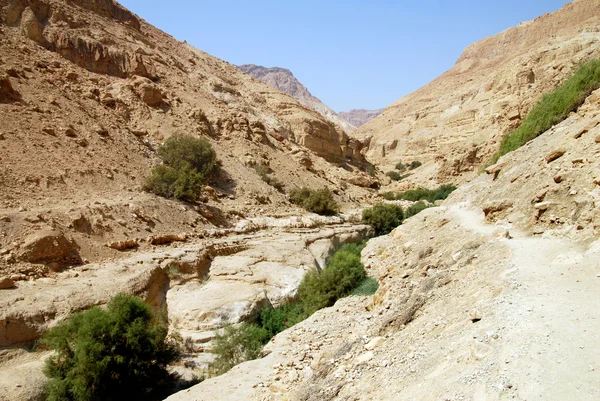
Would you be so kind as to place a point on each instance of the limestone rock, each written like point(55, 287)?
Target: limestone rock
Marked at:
point(31, 27)
point(6, 282)
point(47, 246)
point(7, 93)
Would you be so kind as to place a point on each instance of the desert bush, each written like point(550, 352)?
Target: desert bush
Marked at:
point(113, 354)
point(415, 209)
point(430, 195)
point(275, 320)
point(383, 218)
point(400, 166)
point(187, 163)
point(185, 150)
point(553, 108)
point(415, 164)
point(318, 201)
point(395, 176)
point(370, 169)
point(368, 287)
point(237, 344)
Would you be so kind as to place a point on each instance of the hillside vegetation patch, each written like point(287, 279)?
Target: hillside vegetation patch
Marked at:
point(318, 201)
point(553, 108)
point(187, 163)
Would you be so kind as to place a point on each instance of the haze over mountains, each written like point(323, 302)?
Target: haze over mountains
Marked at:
point(283, 79)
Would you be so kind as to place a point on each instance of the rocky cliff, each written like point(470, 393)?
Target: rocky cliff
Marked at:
point(455, 122)
point(492, 296)
point(282, 79)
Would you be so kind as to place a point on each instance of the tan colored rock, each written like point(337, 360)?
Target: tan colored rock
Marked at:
point(123, 245)
point(555, 154)
point(7, 92)
point(47, 246)
point(6, 283)
point(30, 26)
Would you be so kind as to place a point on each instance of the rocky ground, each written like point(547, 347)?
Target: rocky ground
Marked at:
point(492, 296)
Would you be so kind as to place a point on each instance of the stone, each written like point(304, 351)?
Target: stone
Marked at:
point(555, 154)
point(47, 246)
point(30, 26)
point(475, 315)
point(6, 283)
point(364, 358)
point(123, 245)
point(364, 181)
point(375, 343)
point(7, 92)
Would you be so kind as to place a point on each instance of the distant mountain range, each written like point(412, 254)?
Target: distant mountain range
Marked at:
point(284, 80)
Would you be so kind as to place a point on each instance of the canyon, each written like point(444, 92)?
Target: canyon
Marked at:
point(491, 295)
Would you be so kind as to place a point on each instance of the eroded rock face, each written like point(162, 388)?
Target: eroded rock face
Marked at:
point(7, 92)
point(455, 123)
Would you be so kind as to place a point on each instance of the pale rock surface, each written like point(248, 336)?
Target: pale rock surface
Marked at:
point(454, 123)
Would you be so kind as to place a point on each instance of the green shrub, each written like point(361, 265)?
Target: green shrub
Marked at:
point(275, 320)
point(383, 218)
point(415, 164)
point(368, 287)
point(415, 209)
point(430, 195)
point(113, 354)
point(185, 150)
point(371, 170)
point(400, 166)
point(237, 345)
point(318, 201)
point(187, 164)
point(343, 273)
point(395, 176)
point(553, 108)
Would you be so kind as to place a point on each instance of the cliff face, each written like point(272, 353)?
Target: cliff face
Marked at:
point(283, 80)
point(455, 122)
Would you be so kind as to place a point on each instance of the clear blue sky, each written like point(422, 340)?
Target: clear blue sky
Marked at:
point(350, 54)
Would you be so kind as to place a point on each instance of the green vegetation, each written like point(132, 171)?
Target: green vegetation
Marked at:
point(400, 166)
point(344, 275)
point(113, 354)
point(236, 345)
point(395, 176)
point(368, 287)
point(553, 108)
point(383, 218)
point(371, 170)
point(416, 209)
point(415, 164)
point(187, 163)
point(318, 201)
point(419, 194)
point(264, 172)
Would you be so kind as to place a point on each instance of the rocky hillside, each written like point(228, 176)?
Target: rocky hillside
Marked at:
point(88, 91)
point(492, 296)
point(454, 123)
point(359, 117)
point(283, 80)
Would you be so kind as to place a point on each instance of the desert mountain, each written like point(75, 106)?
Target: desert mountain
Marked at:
point(359, 117)
point(284, 80)
point(88, 91)
point(455, 122)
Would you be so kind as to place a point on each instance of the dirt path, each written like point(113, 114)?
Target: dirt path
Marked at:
point(552, 345)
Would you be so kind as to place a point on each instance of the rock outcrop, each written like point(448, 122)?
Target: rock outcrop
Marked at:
point(455, 123)
point(469, 306)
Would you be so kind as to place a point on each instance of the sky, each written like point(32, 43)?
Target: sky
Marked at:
point(350, 54)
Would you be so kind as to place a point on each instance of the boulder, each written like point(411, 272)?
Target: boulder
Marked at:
point(48, 246)
point(7, 93)
point(31, 27)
